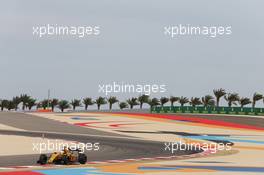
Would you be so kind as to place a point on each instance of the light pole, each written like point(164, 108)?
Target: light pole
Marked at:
point(48, 98)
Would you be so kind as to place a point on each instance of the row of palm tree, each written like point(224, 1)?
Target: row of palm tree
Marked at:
point(209, 100)
point(27, 102)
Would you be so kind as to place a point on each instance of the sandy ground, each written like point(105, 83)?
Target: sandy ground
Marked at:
point(242, 154)
point(20, 145)
point(136, 126)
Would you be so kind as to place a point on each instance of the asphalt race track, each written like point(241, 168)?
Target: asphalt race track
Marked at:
point(112, 146)
point(32, 123)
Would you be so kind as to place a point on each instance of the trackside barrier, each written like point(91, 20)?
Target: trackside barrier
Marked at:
point(208, 110)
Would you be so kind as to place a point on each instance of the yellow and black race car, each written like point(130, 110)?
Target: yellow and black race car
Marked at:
point(66, 157)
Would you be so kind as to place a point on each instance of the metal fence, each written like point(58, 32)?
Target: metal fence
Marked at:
point(208, 110)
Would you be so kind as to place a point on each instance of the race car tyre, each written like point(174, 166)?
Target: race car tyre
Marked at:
point(82, 158)
point(65, 160)
point(43, 158)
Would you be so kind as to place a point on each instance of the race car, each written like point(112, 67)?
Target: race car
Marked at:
point(66, 157)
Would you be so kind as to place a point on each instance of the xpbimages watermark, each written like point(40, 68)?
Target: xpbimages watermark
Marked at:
point(173, 147)
point(173, 31)
point(63, 30)
point(58, 145)
point(122, 87)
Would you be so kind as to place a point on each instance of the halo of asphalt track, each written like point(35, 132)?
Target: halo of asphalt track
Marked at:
point(112, 146)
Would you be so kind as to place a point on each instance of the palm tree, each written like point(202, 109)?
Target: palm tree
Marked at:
point(45, 103)
point(132, 102)
point(16, 100)
point(232, 98)
point(63, 104)
point(173, 100)
point(100, 101)
point(164, 100)
point(39, 105)
point(10, 105)
point(195, 101)
point(143, 99)
point(183, 100)
point(208, 100)
point(87, 101)
point(123, 105)
point(24, 99)
point(111, 101)
point(54, 102)
point(218, 94)
point(31, 103)
point(256, 97)
point(154, 102)
point(75, 103)
point(3, 104)
point(244, 101)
